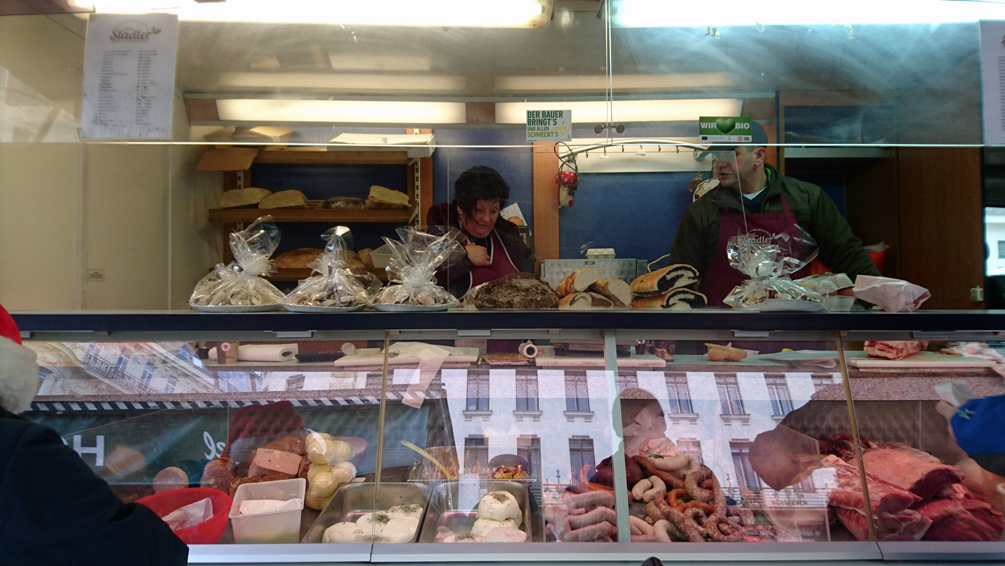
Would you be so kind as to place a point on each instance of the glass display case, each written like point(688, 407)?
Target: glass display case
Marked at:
point(587, 445)
point(597, 436)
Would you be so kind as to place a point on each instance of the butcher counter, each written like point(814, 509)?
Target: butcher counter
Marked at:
point(612, 404)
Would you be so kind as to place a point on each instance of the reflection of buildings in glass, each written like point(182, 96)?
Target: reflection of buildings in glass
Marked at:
point(694, 404)
point(126, 367)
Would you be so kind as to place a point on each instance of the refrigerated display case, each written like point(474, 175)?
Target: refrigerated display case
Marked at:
point(568, 436)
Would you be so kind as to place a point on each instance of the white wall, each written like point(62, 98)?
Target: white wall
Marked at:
point(137, 212)
point(994, 226)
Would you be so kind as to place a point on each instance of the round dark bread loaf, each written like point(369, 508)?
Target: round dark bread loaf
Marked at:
point(516, 291)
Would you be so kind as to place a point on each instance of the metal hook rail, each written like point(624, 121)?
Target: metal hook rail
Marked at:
point(571, 152)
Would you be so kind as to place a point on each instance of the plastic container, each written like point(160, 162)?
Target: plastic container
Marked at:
point(268, 528)
point(206, 532)
point(381, 256)
point(839, 303)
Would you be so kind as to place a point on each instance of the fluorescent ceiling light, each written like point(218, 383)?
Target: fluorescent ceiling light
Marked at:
point(341, 111)
point(530, 83)
point(723, 13)
point(360, 62)
point(343, 82)
point(624, 110)
point(461, 13)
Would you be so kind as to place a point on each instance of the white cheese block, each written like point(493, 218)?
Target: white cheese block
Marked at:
point(499, 505)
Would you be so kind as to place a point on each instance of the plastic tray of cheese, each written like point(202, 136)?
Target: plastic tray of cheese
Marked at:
point(478, 510)
point(394, 507)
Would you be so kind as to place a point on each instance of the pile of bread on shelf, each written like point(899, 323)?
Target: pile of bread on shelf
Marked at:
point(380, 198)
point(303, 258)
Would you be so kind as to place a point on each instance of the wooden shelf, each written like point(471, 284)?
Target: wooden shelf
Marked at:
point(304, 273)
point(299, 157)
point(322, 215)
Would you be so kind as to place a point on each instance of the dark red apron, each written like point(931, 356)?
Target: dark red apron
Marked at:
point(719, 279)
point(500, 266)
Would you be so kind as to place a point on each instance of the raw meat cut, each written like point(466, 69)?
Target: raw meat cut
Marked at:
point(895, 350)
point(884, 498)
point(906, 471)
point(953, 522)
point(905, 525)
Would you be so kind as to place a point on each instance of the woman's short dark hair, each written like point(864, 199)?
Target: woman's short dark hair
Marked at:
point(479, 183)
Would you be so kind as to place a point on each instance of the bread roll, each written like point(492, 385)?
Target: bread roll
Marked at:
point(614, 289)
point(385, 198)
point(285, 199)
point(578, 281)
point(355, 264)
point(299, 258)
point(674, 299)
point(243, 198)
point(727, 353)
point(663, 280)
point(576, 301)
point(364, 256)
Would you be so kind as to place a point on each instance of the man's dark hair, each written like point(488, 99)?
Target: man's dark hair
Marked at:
point(479, 183)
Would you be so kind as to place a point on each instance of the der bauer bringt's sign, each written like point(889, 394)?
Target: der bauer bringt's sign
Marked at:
point(549, 125)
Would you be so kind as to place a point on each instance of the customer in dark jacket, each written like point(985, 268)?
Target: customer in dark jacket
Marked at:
point(53, 508)
point(493, 244)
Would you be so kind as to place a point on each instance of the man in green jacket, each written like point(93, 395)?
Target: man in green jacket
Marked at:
point(772, 202)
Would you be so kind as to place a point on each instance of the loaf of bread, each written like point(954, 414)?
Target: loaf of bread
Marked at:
point(284, 199)
point(515, 291)
point(616, 290)
point(578, 281)
point(727, 353)
point(663, 280)
point(355, 265)
point(364, 256)
point(299, 258)
point(576, 301)
point(674, 299)
point(385, 198)
point(243, 198)
point(345, 203)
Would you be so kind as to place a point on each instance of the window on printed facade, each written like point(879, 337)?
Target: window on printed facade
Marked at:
point(478, 393)
point(745, 475)
point(476, 454)
point(679, 397)
point(691, 447)
point(729, 395)
point(822, 380)
point(529, 448)
point(778, 393)
point(577, 395)
point(526, 392)
point(627, 381)
point(581, 454)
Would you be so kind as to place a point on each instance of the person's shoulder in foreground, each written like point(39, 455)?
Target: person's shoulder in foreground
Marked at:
point(55, 510)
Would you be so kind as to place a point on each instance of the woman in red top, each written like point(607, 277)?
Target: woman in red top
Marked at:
point(494, 247)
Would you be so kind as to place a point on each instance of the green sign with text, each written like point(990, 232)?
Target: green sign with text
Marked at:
point(724, 129)
point(549, 125)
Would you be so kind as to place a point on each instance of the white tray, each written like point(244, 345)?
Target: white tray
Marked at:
point(325, 310)
point(238, 308)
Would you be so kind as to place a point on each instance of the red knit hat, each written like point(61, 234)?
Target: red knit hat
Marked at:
point(8, 329)
point(18, 370)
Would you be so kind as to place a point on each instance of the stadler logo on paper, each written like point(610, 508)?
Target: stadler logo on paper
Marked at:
point(133, 31)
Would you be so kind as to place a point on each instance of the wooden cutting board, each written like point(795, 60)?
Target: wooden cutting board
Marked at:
point(922, 360)
point(638, 361)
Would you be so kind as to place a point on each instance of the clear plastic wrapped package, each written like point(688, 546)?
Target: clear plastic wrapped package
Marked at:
point(412, 268)
point(770, 260)
point(239, 285)
point(336, 287)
